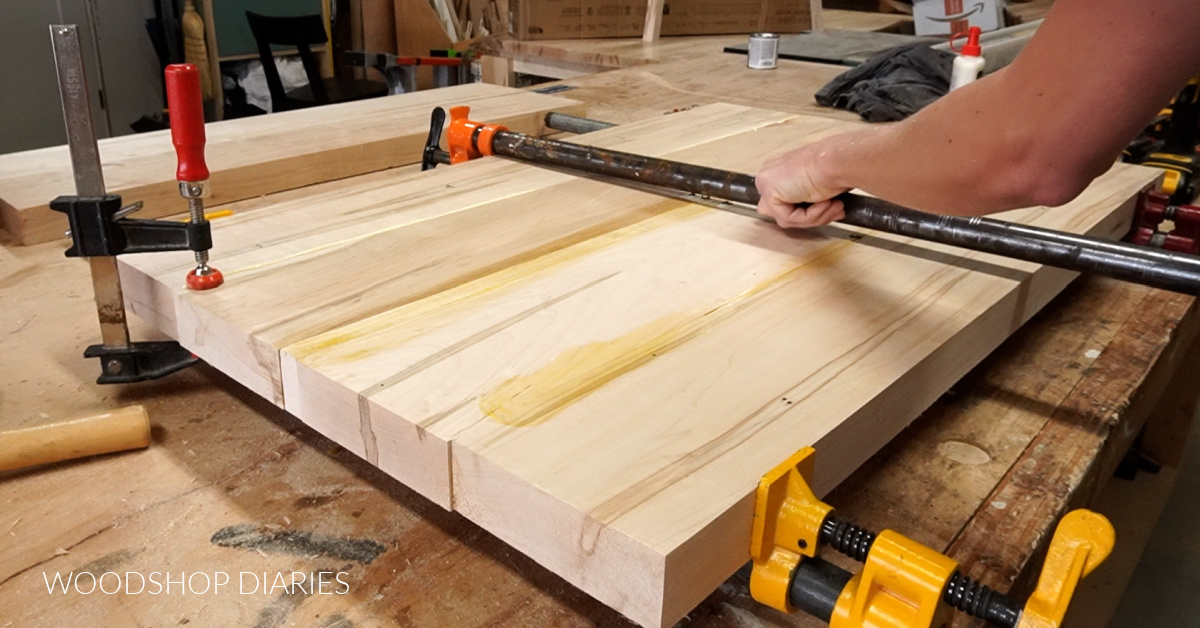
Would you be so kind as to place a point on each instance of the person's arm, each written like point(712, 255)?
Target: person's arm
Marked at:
point(1035, 133)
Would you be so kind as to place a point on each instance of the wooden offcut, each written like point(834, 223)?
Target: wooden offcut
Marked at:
point(254, 156)
point(597, 375)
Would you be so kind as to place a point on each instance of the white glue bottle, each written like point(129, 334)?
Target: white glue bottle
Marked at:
point(968, 64)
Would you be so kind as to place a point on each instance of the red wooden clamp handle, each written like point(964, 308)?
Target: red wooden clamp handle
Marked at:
point(187, 121)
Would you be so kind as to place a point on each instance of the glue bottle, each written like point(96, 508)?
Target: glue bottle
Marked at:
point(968, 64)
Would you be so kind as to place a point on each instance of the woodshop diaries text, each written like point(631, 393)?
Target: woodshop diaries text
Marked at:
point(197, 583)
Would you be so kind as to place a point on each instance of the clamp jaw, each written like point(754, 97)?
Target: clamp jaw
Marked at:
point(903, 584)
point(100, 229)
point(465, 138)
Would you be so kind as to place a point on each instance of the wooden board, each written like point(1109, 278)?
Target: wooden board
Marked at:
point(223, 457)
point(254, 156)
point(598, 55)
point(651, 90)
point(491, 336)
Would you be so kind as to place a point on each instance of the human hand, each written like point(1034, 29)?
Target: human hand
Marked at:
point(795, 177)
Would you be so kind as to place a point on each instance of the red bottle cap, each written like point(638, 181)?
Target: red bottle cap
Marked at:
point(971, 48)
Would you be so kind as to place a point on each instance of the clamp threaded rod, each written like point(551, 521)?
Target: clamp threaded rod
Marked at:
point(979, 600)
point(196, 215)
point(847, 538)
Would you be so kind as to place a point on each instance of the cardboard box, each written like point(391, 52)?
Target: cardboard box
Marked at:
point(576, 19)
point(947, 17)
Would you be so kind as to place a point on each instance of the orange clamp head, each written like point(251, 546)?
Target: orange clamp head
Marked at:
point(466, 140)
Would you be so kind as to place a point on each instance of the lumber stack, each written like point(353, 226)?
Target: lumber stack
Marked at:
point(250, 157)
point(597, 375)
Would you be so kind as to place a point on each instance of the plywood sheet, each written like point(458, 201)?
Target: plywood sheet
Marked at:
point(596, 375)
point(254, 156)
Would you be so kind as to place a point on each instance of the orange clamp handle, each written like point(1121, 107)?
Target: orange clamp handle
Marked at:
point(467, 140)
point(186, 107)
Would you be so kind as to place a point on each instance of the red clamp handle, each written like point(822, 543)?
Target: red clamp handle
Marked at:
point(186, 108)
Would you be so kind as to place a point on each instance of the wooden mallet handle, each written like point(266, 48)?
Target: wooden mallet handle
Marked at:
point(125, 428)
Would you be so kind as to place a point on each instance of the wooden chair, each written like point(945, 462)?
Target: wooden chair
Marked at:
point(303, 32)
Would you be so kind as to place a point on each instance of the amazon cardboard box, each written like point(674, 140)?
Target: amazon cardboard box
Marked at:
point(577, 19)
point(947, 17)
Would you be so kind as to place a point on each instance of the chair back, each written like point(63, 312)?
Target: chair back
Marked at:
point(301, 32)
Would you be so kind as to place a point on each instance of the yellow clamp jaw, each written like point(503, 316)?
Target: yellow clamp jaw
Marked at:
point(1082, 540)
point(787, 523)
point(903, 584)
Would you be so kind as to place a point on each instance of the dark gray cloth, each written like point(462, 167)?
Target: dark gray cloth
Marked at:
point(891, 85)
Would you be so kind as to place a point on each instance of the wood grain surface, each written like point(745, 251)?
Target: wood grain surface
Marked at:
point(250, 157)
point(598, 55)
point(596, 375)
point(650, 91)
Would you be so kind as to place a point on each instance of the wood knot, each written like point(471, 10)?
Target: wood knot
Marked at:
point(964, 452)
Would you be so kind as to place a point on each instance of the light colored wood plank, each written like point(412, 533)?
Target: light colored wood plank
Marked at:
point(651, 90)
point(254, 156)
point(644, 445)
point(596, 55)
point(550, 70)
point(501, 335)
point(568, 58)
point(11, 267)
point(617, 515)
point(416, 238)
point(496, 70)
point(653, 28)
point(816, 16)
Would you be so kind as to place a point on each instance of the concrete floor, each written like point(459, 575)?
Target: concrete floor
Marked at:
point(1165, 590)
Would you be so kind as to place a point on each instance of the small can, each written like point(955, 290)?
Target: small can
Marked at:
point(763, 51)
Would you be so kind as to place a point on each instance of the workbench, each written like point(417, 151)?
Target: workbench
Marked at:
point(570, 58)
point(1036, 429)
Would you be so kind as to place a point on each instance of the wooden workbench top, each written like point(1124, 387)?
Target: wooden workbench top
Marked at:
point(608, 54)
point(233, 484)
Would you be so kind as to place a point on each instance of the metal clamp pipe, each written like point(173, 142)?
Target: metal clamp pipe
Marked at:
point(1128, 262)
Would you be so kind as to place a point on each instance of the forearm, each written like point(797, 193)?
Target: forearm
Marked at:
point(1037, 132)
point(962, 155)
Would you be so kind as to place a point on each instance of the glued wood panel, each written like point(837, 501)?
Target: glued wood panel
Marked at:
point(596, 375)
point(371, 244)
point(249, 157)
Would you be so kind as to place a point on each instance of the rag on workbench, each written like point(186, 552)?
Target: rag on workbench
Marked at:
point(891, 85)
